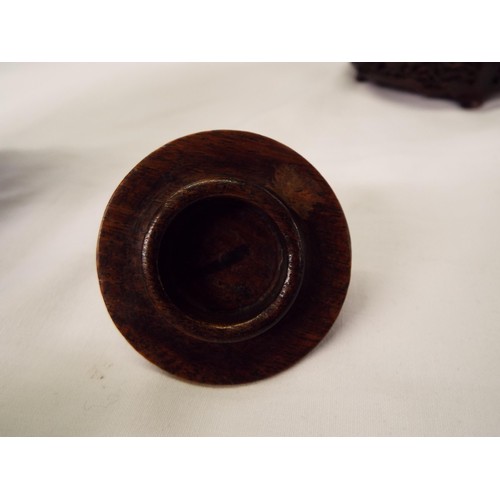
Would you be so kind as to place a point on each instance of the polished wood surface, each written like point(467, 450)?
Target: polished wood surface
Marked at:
point(224, 257)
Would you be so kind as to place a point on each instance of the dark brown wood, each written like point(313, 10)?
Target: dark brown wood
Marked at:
point(224, 257)
point(470, 84)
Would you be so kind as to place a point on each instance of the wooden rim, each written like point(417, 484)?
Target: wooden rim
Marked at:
point(288, 202)
point(283, 295)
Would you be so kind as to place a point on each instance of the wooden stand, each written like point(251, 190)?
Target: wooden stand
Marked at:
point(224, 257)
point(470, 84)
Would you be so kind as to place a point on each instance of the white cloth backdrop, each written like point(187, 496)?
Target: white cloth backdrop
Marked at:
point(416, 349)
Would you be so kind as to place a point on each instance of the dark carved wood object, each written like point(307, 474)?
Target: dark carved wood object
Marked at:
point(470, 84)
point(224, 257)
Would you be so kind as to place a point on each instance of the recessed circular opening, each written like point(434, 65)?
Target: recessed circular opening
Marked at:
point(222, 260)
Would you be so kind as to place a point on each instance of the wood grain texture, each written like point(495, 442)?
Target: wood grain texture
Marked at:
point(224, 257)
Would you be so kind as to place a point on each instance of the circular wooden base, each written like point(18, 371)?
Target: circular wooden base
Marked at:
point(224, 257)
